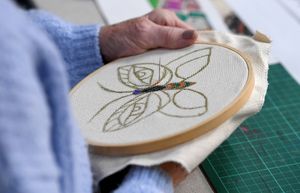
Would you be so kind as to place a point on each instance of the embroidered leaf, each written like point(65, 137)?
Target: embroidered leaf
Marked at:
point(135, 110)
point(182, 106)
point(190, 64)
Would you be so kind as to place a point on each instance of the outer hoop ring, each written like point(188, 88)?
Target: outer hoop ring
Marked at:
point(179, 138)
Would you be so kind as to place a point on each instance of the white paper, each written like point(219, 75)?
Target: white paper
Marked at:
point(115, 11)
point(213, 16)
point(273, 19)
point(292, 7)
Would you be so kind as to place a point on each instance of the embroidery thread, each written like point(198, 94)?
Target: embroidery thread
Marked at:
point(162, 96)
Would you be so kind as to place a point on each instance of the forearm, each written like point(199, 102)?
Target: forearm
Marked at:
point(79, 44)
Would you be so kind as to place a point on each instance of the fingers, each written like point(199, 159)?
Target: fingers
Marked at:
point(172, 37)
point(169, 31)
point(135, 36)
point(182, 24)
point(175, 171)
point(167, 18)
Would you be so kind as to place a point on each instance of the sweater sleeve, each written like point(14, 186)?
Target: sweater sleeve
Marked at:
point(79, 44)
point(27, 161)
point(146, 180)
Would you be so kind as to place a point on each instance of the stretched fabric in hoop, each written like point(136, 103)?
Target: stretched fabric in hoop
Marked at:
point(201, 147)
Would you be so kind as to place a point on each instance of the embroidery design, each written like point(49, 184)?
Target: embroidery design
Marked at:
point(154, 90)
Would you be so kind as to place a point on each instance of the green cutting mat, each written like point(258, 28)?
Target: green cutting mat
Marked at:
point(263, 154)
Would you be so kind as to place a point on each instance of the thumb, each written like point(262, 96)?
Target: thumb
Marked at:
point(173, 37)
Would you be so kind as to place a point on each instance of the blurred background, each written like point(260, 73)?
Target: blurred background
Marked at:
point(279, 19)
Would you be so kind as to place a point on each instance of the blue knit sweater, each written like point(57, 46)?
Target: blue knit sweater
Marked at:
point(41, 149)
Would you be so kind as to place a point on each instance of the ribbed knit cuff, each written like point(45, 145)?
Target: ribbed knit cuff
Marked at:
point(146, 180)
point(86, 44)
point(85, 52)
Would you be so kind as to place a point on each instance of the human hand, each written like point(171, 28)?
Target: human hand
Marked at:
point(158, 29)
point(175, 171)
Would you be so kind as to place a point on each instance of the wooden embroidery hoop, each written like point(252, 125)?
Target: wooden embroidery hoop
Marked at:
point(192, 133)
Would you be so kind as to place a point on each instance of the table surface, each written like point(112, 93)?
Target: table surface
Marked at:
point(263, 154)
point(74, 11)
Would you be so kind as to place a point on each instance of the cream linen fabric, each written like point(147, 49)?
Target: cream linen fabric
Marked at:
point(192, 153)
point(195, 182)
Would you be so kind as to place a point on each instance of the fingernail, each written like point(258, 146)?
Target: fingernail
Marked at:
point(189, 34)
